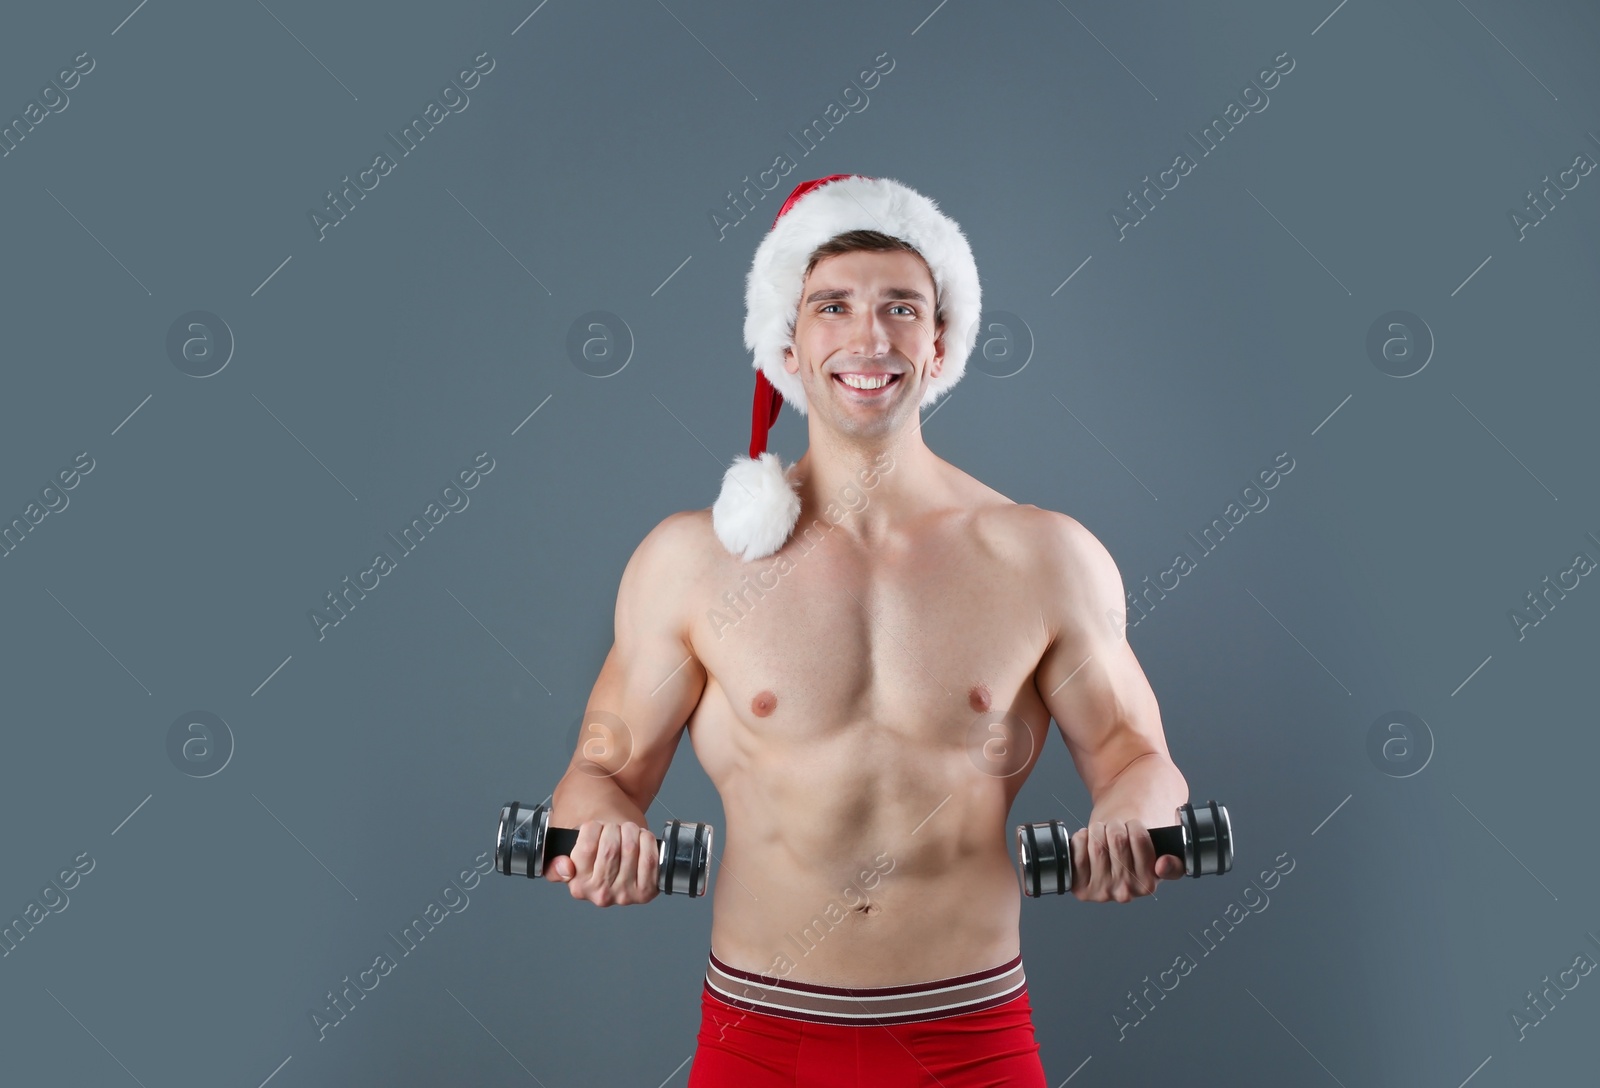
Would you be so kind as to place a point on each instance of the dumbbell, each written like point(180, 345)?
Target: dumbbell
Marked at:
point(1202, 838)
point(525, 843)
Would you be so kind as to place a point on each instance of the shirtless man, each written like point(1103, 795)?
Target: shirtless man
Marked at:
point(868, 701)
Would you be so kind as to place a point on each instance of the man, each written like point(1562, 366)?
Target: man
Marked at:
point(869, 700)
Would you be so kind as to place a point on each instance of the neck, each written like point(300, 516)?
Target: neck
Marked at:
point(868, 487)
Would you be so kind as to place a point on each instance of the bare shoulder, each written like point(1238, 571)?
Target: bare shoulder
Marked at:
point(1055, 550)
point(667, 564)
point(1025, 534)
point(681, 540)
point(1040, 531)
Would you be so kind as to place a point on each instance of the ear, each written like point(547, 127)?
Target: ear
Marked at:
point(938, 353)
point(789, 358)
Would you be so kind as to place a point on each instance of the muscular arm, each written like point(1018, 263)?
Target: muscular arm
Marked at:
point(1094, 686)
point(648, 686)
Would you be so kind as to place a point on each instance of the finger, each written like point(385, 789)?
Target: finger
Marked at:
point(607, 855)
point(581, 858)
point(1143, 853)
point(627, 861)
point(648, 867)
point(1119, 852)
point(1079, 845)
point(1099, 863)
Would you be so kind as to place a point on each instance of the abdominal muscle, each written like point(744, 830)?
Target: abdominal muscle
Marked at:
point(864, 857)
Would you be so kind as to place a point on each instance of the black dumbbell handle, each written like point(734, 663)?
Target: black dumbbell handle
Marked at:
point(526, 843)
point(1054, 839)
point(1202, 840)
point(558, 842)
point(1168, 841)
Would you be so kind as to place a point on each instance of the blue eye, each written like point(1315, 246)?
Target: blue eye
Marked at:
point(897, 306)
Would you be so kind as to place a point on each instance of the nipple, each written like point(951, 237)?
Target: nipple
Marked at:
point(978, 697)
point(763, 704)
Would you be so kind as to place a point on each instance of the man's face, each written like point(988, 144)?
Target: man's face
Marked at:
point(866, 316)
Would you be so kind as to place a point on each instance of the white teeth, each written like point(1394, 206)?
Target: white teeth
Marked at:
point(855, 382)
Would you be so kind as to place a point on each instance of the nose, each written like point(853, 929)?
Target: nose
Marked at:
point(869, 334)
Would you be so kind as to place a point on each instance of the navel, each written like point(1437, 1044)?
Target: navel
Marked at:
point(763, 704)
point(978, 697)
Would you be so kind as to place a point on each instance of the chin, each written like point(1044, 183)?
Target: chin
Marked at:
point(880, 425)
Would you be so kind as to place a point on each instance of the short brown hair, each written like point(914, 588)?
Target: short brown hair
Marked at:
point(873, 241)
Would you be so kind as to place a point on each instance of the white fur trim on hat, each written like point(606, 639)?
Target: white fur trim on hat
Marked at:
point(772, 289)
point(756, 508)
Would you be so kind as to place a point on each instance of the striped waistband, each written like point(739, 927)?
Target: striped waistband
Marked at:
point(873, 1005)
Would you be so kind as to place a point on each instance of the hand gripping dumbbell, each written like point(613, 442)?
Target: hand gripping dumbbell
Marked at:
point(1202, 838)
point(525, 843)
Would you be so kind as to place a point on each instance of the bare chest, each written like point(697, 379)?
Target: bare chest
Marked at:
point(918, 647)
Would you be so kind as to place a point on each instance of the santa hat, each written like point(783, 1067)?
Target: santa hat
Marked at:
point(757, 506)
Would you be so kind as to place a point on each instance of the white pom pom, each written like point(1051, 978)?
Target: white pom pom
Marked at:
point(756, 508)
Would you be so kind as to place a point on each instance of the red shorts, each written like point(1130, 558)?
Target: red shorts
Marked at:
point(970, 1031)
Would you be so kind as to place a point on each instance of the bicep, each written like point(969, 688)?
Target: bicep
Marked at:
point(650, 681)
point(1088, 677)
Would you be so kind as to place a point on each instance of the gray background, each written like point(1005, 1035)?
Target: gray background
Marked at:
point(365, 769)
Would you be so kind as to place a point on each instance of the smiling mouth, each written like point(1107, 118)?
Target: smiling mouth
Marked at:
point(893, 378)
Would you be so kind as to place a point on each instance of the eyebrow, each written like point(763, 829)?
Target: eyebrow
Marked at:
point(845, 292)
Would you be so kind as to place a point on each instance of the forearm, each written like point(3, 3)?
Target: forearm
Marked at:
point(579, 797)
point(1149, 789)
